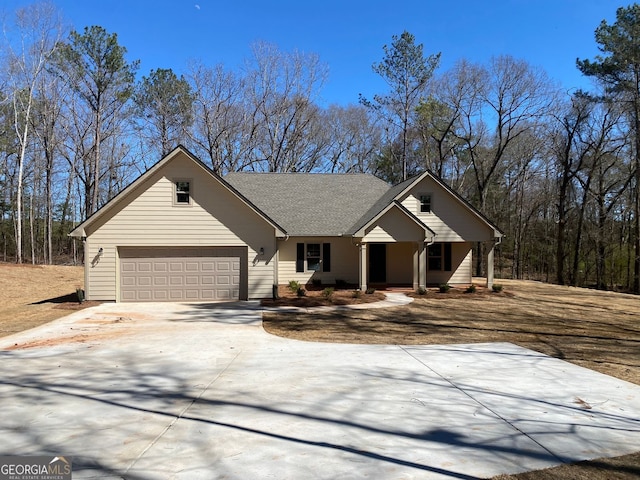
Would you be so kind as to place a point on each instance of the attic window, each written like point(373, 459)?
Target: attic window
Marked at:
point(425, 203)
point(183, 192)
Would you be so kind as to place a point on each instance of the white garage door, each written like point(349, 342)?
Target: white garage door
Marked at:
point(176, 278)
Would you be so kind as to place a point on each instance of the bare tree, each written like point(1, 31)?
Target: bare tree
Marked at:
point(223, 130)
point(281, 90)
point(39, 29)
point(569, 153)
point(354, 137)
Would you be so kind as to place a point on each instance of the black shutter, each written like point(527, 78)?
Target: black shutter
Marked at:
point(300, 257)
point(447, 257)
point(326, 257)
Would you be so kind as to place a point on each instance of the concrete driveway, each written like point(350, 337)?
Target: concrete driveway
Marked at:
point(193, 391)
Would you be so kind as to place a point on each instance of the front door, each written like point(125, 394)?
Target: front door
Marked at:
point(377, 263)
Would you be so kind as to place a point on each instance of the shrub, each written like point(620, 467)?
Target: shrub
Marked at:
point(301, 292)
point(356, 294)
point(421, 291)
point(444, 287)
point(327, 293)
point(370, 291)
point(294, 286)
point(80, 294)
point(497, 287)
point(470, 289)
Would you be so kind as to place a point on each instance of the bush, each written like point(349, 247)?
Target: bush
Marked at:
point(356, 294)
point(370, 291)
point(421, 291)
point(497, 287)
point(327, 293)
point(301, 292)
point(294, 286)
point(470, 289)
point(80, 294)
point(444, 288)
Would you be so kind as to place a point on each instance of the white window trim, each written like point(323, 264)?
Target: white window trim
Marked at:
point(425, 194)
point(175, 192)
point(319, 257)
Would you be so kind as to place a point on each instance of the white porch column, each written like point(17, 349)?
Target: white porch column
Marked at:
point(416, 265)
point(422, 261)
point(490, 259)
point(363, 266)
point(276, 271)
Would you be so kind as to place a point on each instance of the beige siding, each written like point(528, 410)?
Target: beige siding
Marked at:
point(149, 217)
point(394, 226)
point(344, 261)
point(450, 219)
point(461, 264)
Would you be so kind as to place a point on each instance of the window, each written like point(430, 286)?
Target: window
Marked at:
point(183, 192)
point(425, 203)
point(435, 256)
point(439, 257)
point(313, 257)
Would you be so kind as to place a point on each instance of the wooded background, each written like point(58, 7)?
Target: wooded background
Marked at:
point(557, 171)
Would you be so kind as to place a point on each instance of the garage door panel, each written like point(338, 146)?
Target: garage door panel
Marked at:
point(162, 281)
point(176, 267)
point(160, 266)
point(179, 278)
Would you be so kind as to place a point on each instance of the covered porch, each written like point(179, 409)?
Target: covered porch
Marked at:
point(418, 265)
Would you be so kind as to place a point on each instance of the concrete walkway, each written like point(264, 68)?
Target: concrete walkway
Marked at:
point(196, 391)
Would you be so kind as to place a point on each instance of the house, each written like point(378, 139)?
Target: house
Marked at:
point(182, 233)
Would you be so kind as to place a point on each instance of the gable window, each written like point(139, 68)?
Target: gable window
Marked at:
point(439, 257)
point(313, 257)
point(425, 203)
point(182, 192)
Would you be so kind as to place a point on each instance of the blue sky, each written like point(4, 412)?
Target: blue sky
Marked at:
point(348, 35)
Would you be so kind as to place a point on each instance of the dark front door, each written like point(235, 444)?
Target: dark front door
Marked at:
point(377, 263)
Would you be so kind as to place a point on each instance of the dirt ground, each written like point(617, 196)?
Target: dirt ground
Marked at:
point(35, 294)
point(597, 330)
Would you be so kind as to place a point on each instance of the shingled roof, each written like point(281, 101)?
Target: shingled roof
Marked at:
point(312, 204)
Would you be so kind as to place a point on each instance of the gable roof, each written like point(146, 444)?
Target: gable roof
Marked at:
point(311, 204)
point(305, 204)
point(79, 231)
point(395, 193)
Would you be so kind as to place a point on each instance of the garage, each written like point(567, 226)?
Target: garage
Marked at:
point(182, 274)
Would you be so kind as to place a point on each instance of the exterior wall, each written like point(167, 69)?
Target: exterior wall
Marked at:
point(344, 261)
point(394, 226)
point(461, 267)
point(400, 263)
point(450, 219)
point(148, 217)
